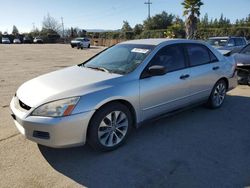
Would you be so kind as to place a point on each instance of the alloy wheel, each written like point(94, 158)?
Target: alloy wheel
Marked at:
point(219, 94)
point(113, 128)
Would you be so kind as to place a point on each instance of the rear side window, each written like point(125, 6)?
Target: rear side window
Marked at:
point(238, 41)
point(213, 58)
point(243, 41)
point(199, 55)
point(172, 57)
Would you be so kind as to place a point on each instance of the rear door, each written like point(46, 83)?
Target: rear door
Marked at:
point(159, 94)
point(204, 71)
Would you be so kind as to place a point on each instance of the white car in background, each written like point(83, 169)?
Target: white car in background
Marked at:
point(5, 40)
point(16, 41)
point(80, 43)
point(38, 40)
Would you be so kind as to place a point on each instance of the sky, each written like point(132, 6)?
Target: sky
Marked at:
point(104, 14)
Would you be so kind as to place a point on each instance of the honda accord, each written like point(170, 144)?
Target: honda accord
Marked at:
point(100, 100)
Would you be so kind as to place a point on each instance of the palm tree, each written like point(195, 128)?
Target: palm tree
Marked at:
point(192, 12)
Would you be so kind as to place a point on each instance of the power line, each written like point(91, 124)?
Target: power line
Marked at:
point(149, 4)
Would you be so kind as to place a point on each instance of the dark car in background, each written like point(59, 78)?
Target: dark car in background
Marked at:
point(27, 40)
point(227, 43)
point(243, 65)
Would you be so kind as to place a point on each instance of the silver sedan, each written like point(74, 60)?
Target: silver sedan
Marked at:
point(100, 100)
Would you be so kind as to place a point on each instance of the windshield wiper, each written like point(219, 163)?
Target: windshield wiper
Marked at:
point(99, 68)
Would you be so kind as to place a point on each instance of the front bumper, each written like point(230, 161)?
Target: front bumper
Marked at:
point(53, 132)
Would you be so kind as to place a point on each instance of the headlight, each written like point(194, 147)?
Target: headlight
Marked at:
point(58, 108)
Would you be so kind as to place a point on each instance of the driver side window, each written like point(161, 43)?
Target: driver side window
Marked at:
point(171, 57)
point(231, 42)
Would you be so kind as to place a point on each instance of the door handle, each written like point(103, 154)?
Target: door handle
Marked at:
point(183, 77)
point(216, 68)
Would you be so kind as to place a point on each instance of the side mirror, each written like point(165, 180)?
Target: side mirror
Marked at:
point(230, 44)
point(157, 70)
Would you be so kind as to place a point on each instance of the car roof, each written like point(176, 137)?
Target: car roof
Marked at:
point(224, 37)
point(218, 37)
point(159, 41)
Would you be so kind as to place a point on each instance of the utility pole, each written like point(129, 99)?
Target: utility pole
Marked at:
point(149, 4)
point(63, 29)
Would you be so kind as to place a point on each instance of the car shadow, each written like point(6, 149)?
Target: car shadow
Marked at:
point(196, 148)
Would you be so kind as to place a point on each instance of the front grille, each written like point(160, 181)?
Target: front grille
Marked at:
point(24, 106)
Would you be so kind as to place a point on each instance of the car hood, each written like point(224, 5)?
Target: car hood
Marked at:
point(68, 82)
point(242, 59)
point(224, 52)
point(75, 41)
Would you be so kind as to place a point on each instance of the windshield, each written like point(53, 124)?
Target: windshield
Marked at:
point(78, 39)
point(246, 50)
point(120, 59)
point(217, 42)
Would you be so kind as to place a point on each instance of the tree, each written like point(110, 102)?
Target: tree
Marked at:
point(51, 24)
point(159, 21)
point(126, 31)
point(138, 29)
point(204, 21)
point(35, 32)
point(176, 30)
point(15, 30)
point(192, 13)
point(126, 27)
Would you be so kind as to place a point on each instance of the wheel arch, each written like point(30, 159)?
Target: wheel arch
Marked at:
point(121, 101)
point(226, 80)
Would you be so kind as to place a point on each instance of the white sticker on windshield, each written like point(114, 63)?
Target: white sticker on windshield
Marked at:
point(140, 50)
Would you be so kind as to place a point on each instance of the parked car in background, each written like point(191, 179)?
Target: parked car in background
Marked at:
point(80, 43)
point(27, 40)
point(243, 65)
point(38, 40)
point(5, 40)
point(99, 101)
point(16, 41)
point(227, 43)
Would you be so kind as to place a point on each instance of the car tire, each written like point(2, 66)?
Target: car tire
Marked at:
point(110, 127)
point(218, 95)
point(89, 46)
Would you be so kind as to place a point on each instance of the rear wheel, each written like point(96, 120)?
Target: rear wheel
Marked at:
point(110, 127)
point(217, 95)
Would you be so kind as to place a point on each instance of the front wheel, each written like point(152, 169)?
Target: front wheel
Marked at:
point(217, 95)
point(110, 127)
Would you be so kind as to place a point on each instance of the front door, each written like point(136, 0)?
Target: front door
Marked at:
point(159, 94)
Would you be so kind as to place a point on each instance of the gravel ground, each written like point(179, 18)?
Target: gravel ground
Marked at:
point(195, 148)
